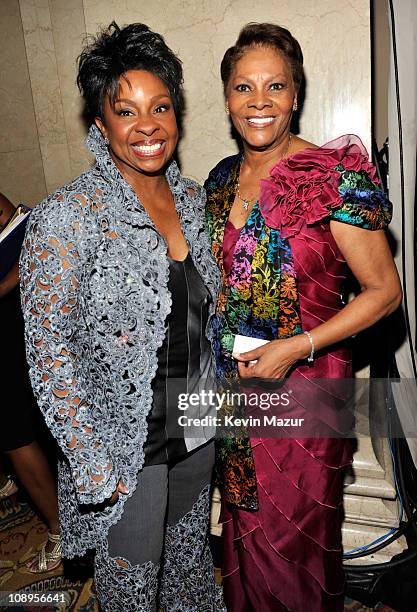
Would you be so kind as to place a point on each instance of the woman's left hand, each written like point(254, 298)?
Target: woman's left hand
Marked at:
point(273, 360)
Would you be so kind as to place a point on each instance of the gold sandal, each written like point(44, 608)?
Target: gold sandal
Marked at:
point(9, 489)
point(43, 558)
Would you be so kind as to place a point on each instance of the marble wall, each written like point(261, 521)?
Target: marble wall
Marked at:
point(42, 133)
point(335, 38)
point(21, 168)
point(53, 31)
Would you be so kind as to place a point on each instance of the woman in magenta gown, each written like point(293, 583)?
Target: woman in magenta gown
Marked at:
point(287, 220)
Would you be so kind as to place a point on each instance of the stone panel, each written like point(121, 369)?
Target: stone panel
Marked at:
point(17, 119)
point(21, 176)
point(42, 62)
point(335, 42)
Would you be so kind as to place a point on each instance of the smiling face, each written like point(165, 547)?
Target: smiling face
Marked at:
point(141, 126)
point(260, 95)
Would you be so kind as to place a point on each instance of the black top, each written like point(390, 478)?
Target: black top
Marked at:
point(183, 357)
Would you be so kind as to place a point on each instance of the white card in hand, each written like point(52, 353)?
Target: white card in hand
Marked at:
point(243, 344)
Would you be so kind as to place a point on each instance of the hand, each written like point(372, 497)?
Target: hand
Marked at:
point(273, 360)
point(121, 488)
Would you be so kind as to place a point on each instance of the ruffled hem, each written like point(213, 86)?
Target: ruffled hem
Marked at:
point(288, 555)
point(257, 572)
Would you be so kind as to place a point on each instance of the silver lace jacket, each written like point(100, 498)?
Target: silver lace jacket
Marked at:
point(94, 274)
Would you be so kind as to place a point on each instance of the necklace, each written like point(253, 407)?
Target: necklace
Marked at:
point(245, 201)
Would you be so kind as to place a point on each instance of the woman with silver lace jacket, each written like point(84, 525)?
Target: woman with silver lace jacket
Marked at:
point(117, 287)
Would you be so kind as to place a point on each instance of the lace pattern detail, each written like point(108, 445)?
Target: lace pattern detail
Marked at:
point(125, 588)
point(187, 583)
point(94, 296)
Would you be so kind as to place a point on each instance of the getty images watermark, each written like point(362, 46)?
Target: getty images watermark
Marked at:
point(295, 407)
point(221, 401)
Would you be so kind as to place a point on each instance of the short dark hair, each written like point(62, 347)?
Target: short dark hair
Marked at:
point(116, 50)
point(266, 35)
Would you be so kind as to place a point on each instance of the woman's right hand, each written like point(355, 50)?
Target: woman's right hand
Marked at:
point(121, 488)
point(274, 359)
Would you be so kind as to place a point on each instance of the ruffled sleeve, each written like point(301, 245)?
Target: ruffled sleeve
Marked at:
point(335, 181)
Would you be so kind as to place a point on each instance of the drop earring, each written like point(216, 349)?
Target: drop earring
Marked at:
point(106, 141)
point(295, 105)
point(226, 108)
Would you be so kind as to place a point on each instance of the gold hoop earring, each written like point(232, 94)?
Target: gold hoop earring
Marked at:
point(295, 106)
point(226, 108)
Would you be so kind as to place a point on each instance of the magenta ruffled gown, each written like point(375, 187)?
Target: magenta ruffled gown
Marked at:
point(287, 555)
